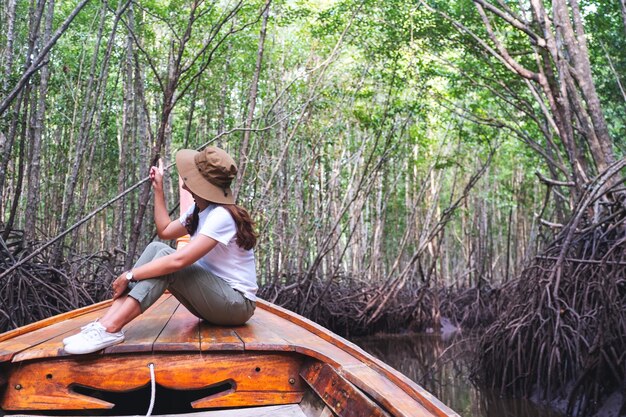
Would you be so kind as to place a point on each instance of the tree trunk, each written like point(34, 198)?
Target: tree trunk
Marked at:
point(144, 134)
point(37, 61)
point(190, 117)
point(18, 185)
point(129, 119)
point(171, 95)
point(8, 57)
point(252, 96)
point(95, 117)
point(622, 4)
point(34, 19)
point(564, 76)
point(32, 198)
point(156, 150)
point(599, 140)
point(224, 92)
point(88, 109)
point(7, 149)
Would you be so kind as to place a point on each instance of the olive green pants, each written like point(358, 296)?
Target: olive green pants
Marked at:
point(204, 294)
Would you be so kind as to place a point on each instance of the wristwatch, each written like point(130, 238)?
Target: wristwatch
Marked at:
point(130, 277)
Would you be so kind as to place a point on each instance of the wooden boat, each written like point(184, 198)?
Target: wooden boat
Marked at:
point(277, 364)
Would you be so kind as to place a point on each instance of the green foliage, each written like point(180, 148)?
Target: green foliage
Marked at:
point(384, 110)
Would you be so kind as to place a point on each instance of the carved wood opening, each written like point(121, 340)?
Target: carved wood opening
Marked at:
point(167, 400)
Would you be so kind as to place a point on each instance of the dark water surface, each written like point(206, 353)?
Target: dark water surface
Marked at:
point(441, 365)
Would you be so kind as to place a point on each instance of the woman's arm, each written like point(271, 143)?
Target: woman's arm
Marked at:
point(166, 228)
point(176, 261)
point(173, 262)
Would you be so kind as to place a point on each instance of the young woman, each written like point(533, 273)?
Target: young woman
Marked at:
point(213, 275)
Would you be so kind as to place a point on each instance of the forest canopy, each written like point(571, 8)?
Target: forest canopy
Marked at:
point(360, 128)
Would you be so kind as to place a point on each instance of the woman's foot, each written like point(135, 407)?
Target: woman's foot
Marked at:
point(78, 335)
point(92, 338)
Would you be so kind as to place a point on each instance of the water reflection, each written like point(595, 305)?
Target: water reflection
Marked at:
point(441, 366)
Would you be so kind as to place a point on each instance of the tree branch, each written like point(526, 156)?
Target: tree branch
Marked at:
point(37, 62)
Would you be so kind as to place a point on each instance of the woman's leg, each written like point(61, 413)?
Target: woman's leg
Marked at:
point(153, 251)
point(115, 305)
point(202, 293)
point(106, 331)
point(142, 294)
point(210, 297)
point(122, 311)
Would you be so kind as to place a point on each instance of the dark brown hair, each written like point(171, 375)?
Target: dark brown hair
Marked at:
point(246, 236)
point(191, 224)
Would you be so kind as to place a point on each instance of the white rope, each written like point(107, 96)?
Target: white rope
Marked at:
point(153, 389)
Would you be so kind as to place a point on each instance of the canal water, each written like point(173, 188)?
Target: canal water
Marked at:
point(441, 365)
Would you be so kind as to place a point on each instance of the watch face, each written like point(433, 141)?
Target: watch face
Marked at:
point(129, 276)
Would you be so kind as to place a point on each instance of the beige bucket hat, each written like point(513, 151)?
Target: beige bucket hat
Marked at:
point(208, 173)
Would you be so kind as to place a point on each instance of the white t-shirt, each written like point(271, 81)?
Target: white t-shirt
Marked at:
point(226, 260)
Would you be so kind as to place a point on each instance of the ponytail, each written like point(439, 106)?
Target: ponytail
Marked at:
point(246, 236)
point(191, 224)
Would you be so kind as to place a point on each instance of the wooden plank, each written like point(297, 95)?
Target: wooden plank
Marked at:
point(48, 384)
point(63, 317)
point(275, 372)
point(256, 335)
point(219, 338)
point(385, 392)
point(181, 332)
point(382, 389)
point(362, 376)
point(313, 406)
point(338, 394)
point(45, 386)
point(249, 398)
point(371, 382)
point(53, 346)
point(288, 410)
point(375, 384)
point(142, 332)
point(417, 392)
point(45, 341)
point(305, 342)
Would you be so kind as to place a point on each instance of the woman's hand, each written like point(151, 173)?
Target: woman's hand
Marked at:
point(156, 176)
point(120, 285)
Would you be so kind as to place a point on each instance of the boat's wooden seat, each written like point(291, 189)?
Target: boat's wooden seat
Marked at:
point(292, 350)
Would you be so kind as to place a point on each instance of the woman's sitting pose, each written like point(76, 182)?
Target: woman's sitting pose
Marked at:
point(213, 275)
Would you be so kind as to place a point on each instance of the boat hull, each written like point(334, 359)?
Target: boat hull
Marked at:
point(276, 359)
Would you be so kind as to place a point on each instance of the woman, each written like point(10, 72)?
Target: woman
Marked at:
point(213, 276)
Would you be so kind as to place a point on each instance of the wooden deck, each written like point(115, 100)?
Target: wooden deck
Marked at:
point(271, 360)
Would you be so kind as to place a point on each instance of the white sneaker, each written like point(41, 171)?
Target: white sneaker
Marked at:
point(77, 336)
point(93, 339)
